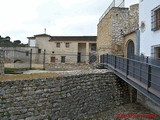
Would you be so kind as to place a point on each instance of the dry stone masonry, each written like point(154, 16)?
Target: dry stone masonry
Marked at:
point(61, 98)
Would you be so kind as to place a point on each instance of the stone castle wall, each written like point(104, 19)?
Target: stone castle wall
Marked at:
point(63, 98)
point(112, 28)
point(119, 28)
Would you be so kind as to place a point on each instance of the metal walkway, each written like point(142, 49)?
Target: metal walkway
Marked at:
point(142, 76)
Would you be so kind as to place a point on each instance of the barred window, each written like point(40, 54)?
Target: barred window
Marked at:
point(156, 18)
point(67, 45)
point(39, 50)
point(58, 44)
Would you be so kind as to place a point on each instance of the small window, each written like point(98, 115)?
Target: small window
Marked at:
point(58, 44)
point(155, 18)
point(93, 47)
point(27, 53)
point(67, 45)
point(53, 59)
point(39, 50)
point(63, 59)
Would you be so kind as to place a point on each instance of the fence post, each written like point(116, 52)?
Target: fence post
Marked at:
point(31, 59)
point(103, 60)
point(140, 71)
point(115, 58)
point(147, 60)
point(127, 66)
point(149, 76)
point(107, 59)
point(44, 61)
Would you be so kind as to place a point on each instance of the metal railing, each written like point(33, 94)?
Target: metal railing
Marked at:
point(147, 59)
point(144, 74)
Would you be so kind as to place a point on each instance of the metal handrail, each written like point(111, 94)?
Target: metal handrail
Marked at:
point(131, 67)
point(138, 61)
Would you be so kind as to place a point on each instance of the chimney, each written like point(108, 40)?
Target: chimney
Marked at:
point(44, 30)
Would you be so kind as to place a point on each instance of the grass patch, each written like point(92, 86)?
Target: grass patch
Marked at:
point(29, 76)
point(14, 70)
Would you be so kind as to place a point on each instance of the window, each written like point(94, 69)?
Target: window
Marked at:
point(67, 45)
point(39, 50)
point(93, 47)
point(155, 18)
point(53, 59)
point(27, 53)
point(58, 44)
point(63, 59)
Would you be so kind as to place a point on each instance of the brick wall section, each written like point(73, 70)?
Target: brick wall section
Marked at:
point(64, 98)
point(1, 62)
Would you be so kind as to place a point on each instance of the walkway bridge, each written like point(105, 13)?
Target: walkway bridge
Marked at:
point(142, 76)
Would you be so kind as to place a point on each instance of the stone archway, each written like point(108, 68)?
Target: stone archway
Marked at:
point(130, 49)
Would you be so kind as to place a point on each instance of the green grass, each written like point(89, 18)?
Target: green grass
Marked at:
point(14, 70)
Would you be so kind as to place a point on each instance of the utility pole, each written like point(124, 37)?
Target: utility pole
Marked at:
point(44, 60)
point(31, 59)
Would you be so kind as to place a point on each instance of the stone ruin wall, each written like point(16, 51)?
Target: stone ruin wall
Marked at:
point(62, 98)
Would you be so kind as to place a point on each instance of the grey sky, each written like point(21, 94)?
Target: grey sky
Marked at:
point(24, 18)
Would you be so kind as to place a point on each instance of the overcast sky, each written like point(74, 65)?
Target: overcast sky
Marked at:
point(24, 18)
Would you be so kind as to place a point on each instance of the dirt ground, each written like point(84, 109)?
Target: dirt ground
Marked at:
point(29, 76)
point(131, 111)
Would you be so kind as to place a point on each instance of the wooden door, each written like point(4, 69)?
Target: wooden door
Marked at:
point(53, 59)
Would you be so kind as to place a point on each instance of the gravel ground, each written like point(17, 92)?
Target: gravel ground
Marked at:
point(34, 74)
point(69, 73)
point(131, 111)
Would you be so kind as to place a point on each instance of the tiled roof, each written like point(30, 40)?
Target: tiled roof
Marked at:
point(42, 35)
point(38, 35)
point(67, 38)
point(73, 38)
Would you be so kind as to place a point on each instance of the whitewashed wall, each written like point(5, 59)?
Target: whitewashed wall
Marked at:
point(148, 38)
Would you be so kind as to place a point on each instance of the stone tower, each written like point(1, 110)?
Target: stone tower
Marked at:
point(117, 22)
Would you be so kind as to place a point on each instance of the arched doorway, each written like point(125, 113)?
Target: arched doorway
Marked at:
point(130, 49)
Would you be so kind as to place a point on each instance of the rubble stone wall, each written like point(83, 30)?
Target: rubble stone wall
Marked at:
point(61, 98)
point(1, 62)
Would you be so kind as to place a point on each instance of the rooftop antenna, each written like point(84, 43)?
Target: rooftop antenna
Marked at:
point(44, 30)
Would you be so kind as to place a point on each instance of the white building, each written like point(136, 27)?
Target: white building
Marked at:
point(149, 22)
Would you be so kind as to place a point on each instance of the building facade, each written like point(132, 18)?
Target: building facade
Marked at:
point(149, 21)
point(113, 28)
point(63, 49)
